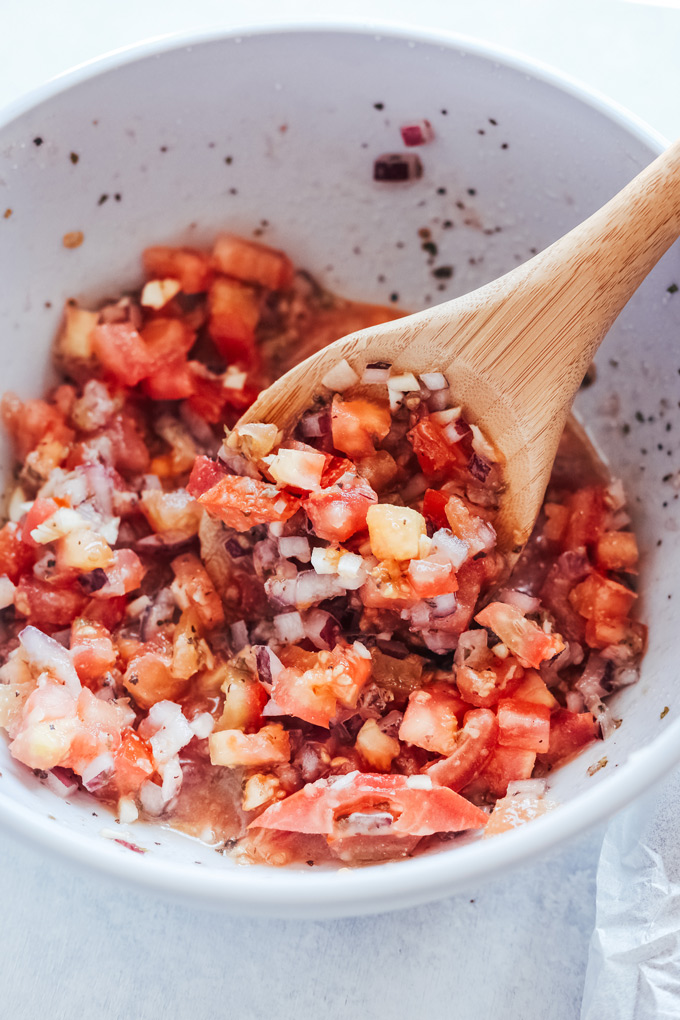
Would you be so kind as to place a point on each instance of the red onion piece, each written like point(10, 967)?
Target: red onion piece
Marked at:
point(316, 425)
point(239, 635)
point(395, 166)
point(321, 629)
point(419, 132)
point(525, 603)
point(268, 664)
point(478, 467)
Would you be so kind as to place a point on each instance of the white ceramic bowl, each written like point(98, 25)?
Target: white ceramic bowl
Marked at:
point(176, 140)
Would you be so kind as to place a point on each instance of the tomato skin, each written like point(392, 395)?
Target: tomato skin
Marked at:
point(45, 604)
point(337, 514)
point(476, 742)
point(15, 556)
point(320, 807)
point(431, 719)
point(569, 732)
point(204, 474)
point(356, 423)
point(436, 456)
point(251, 262)
point(523, 637)
point(92, 650)
point(190, 267)
point(244, 502)
point(523, 724)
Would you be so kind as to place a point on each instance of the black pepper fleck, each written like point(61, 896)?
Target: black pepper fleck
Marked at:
point(472, 191)
point(378, 106)
point(447, 224)
point(228, 160)
point(118, 196)
point(102, 199)
point(492, 121)
point(441, 191)
point(37, 141)
point(639, 416)
point(505, 145)
point(74, 157)
point(481, 131)
point(430, 247)
point(673, 289)
point(444, 112)
point(394, 297)
point(443, 272)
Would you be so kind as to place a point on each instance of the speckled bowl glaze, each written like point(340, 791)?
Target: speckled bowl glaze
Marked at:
point(274, 134)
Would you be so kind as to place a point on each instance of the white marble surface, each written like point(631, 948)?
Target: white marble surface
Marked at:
point(77, 945)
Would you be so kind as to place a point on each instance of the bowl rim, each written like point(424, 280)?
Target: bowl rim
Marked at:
point(320, 893)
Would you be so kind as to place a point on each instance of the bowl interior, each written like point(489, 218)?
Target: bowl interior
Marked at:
point(274, 136)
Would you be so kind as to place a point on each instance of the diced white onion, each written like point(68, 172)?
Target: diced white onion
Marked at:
point(452, 434)
point(351, 571)
point(405, 383)
point(375, 376)
point(18, 505)
point(239, 635)
point(58, 524)
point(442, 605)
point(325, 560)
point(448, 548)
point(97, 767)
point(434, 381)
point(127, 811)
point(295, 547)
point(202, 725)
point(419, 782)
point(446, 416)
point(361, 650)
point(340, 377)
point(168, 729)
point(151, 797)
point(7, 590)
point(289, 628)
point(48, 656)
point(525, 603)
point(233, 379)
point(482, 446)
point(527, 787)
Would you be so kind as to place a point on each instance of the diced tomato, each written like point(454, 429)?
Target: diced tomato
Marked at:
point(470, 578)
point(429, 579)
point(98, 731)
point(133, 764)
point(338, 513)
point(194, 589)
point(586, 520)
point(505, 765)
point(617, 550)
point(252, 262)
point(125, 574)
point(204, 474)
point(167, 340)
point(377, 748)
point(523, 724)
point(234, 312)
point(244, 700)
point(327, 806)
point(41, 510)
point(484, 687)
point(475, 743)
point(525, 639)
point(534, 689)
point(129, 448)
point(478, 535)
point(108, 612)
point(15, 555)
point(234, 748)
point(92, 650)
point(172, 381)
point(434, 508)
point(355, 424)
point(45, 604)
point(431, 719)
point(312, 688)
point(598, 596)
point(190, 267)
point(148, 678)
point(209, 398)
point(554, 595)
point(244, 502)
point(556, 520)
point(569, 732)
point(33, 422)
point(122, 352)
point(436, 456)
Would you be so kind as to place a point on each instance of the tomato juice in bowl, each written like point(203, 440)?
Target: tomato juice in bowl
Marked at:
point(467, 217)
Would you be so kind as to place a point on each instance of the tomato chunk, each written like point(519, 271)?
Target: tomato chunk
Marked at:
point(122, 352)
point(312, 686)
point(523, 637)
point(505, 765)
point(204, 474)
point(15, 556)
point(569, 732)
point(190, 267)
point(244, 502)
point(436, 456)
point(338, 513)
point(92, 650)
point(523, 724)
point(234, 748)
point(475, 743)
point(133, 764)
point(327, 806)
point(234, 311)
point(252, 262)
point(617, 550)
point(431, 719)
point(355, 424)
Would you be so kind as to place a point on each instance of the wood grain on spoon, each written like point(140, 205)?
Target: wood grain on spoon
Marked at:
point(515, 351)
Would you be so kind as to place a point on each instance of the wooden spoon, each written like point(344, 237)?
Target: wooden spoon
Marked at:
point(516, 350)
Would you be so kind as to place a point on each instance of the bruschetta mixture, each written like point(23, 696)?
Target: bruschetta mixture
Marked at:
point(300, 647)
